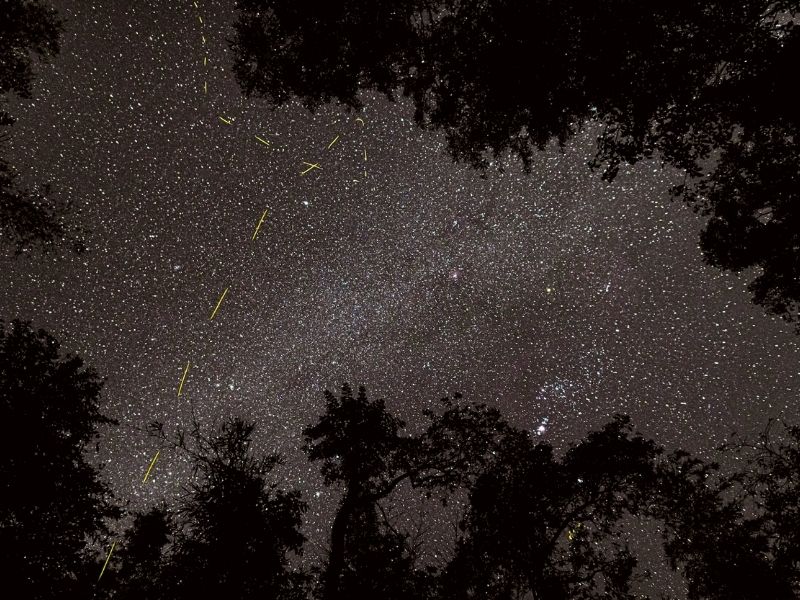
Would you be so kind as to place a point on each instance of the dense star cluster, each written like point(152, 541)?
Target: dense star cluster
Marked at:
point(557, 297)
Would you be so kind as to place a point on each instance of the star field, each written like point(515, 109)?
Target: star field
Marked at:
point(557, 297)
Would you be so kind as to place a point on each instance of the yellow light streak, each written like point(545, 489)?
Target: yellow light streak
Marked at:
point(258, 227)
point(216, 308)
point(311, 166)
point(183, 379)
point(150, 468)
point(107, 559)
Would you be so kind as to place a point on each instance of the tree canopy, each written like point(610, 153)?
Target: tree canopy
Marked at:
point(361, 447)
point(232, 531)
point(52, 499)
point(533, 525)
point(30, 30)
point(702, 86)
point(540, 526)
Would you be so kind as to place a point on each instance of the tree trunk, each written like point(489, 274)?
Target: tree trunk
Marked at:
point(336, 559)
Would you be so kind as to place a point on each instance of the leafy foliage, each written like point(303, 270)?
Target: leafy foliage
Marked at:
point(28, 27)
point(547, 527)
point(51, 497)
point(701, 85)
point(360, 446)
point(706, 534)
point(142, 555)
point(535, 526)
point(29, 30)
point(233, 530)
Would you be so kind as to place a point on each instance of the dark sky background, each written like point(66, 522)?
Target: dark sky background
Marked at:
point(557, 297)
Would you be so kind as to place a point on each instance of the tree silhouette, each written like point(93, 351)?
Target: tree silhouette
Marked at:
point(28, 218)
point(773, 480)
point(282, 51)
point(723, 553)
point(548, 528)
point(700, 85)
point(51, 498)
point(360, 446)
point(380, 562)
point(535, 527)
point(142, 554)
point(28, 26)
point(762, 545)
point(233, 529)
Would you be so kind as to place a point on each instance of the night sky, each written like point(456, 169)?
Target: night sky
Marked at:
point(557, 297)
